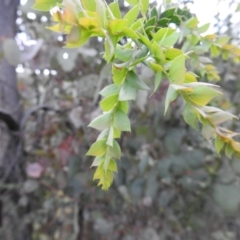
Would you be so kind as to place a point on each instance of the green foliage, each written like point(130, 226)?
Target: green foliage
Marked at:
point(155, 44)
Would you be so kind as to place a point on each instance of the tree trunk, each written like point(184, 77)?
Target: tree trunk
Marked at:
point(13, 225)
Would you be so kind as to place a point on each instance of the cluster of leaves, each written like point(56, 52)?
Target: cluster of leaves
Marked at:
point(150, 41)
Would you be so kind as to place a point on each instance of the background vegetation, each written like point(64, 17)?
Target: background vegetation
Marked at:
point(171, 184)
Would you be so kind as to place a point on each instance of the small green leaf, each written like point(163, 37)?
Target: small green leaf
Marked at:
point(223, 40)
point(144, 5)
point(133, 80)
point(101, 13)
point(172, 53)
point(192, 23)
point(44, 5)
point(177, 70)
point(137, 24)
point(154, 13)
point(89, 5)
point(155, 67)
point(215, 50)
point(77, 37)
point(121, 121)
point(127, 92)
point(220, 117)
point(132, 15)
point(99, 173)
point(219, 144)
point(171, 96)
point(110, 46)
point(170, 41)
point(117, 133)
point(102, 122)
point(163, 22)
point(128, 32)
point(109, 102)
point(140, 60)
point(115, 150)
point(208, 132)
point(132, 2)
point(157, 81)
point(124, 106)
point(144, 40)
point(202, 95)
point(110, 90)
point(229, 151)
point(98, 149)
point(204, 28)
point(123, 54)
point(103, 134)
point(112, 166)
point(158, 52)
point(110, 137)
point(97, 161)
point(106, 163)
point(119, 74)
point(163, 33)
point(114, 6)
point(150, 23)
point(190, 77)
point(117, 25)
point(190, 116)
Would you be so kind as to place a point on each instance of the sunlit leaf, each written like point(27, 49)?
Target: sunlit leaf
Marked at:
point(177, 70)
point(119, 74)
point(110, 90)
point(202, 95)
point(112, 166)
point(117, 25)
point(89, 5)
point(132, 15)
point(190, 77)
point(158, 52)
point(109, 102)
point(204, 28)
point(170, 40)
point(44, 5)
point(124, 106)
point(192, 23)
point(114, 6)
point(155, 67)
point(144, 5)
point(172, 53)
point(163, 33)
point(98, 149)
point(102, 122)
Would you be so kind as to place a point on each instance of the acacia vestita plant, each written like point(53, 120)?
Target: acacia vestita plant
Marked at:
point(151, 41)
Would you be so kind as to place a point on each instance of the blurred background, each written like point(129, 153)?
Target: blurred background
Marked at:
point(171, 184)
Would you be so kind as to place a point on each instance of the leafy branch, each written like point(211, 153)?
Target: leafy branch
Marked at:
point(151, 42)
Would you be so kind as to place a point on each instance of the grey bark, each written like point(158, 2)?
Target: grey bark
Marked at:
point(13, 221)
point(10, 110)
